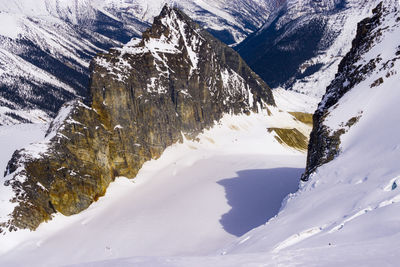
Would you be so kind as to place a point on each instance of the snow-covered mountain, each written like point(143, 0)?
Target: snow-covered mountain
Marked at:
point(46, 45)
point(347, 210)
point(230, 21)
point(301, 45)
point(147, 99)
point(177, 80)
point(175, 204)
point(188, 207)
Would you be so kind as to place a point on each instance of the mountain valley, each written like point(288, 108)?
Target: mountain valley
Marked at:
point(170, 149)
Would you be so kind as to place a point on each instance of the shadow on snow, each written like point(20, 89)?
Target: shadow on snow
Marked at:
point(256, 196)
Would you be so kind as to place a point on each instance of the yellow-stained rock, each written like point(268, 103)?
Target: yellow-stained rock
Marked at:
point(140, 104)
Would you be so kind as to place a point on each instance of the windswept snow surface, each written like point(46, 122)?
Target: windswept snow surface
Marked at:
point(292, 101)
point(197, 198)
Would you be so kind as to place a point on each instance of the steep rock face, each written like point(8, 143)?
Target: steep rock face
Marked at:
point(175, 81)
point(325, 142)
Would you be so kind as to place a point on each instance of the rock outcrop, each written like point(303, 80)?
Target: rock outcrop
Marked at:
point(177, 80)
point(324, 143)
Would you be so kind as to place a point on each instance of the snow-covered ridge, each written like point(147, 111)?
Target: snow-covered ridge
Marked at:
point(351, 204)
point(169, 44)
point(181, 37)
point(299, 8)
point(46, 45)
point(215, 15)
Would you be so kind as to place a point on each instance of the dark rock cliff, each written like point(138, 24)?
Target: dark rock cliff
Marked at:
point(177, 80)
point(324, 143)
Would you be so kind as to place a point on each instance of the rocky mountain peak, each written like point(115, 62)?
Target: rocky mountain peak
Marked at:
point(172, 32)
point(177, 80)
point(169, 19)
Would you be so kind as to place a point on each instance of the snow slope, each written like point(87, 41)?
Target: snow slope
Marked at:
point(349, 208)
point(198, 197)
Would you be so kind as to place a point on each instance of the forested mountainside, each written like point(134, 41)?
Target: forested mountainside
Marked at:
point(301, 45)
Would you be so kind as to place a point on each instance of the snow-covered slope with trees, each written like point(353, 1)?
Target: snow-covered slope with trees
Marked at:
point(45, 50)
point(304, 42)
point(46, 45)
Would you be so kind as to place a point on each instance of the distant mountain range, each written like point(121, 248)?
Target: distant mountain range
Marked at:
point(299, 48)
point(46, 46)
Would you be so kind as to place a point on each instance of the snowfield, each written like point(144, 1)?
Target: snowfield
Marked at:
point(196, 199)
point(197, 204)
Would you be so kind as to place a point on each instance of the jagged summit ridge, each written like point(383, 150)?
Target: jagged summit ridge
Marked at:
point(172, 35)
point(175, 33)
point(177, 80)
